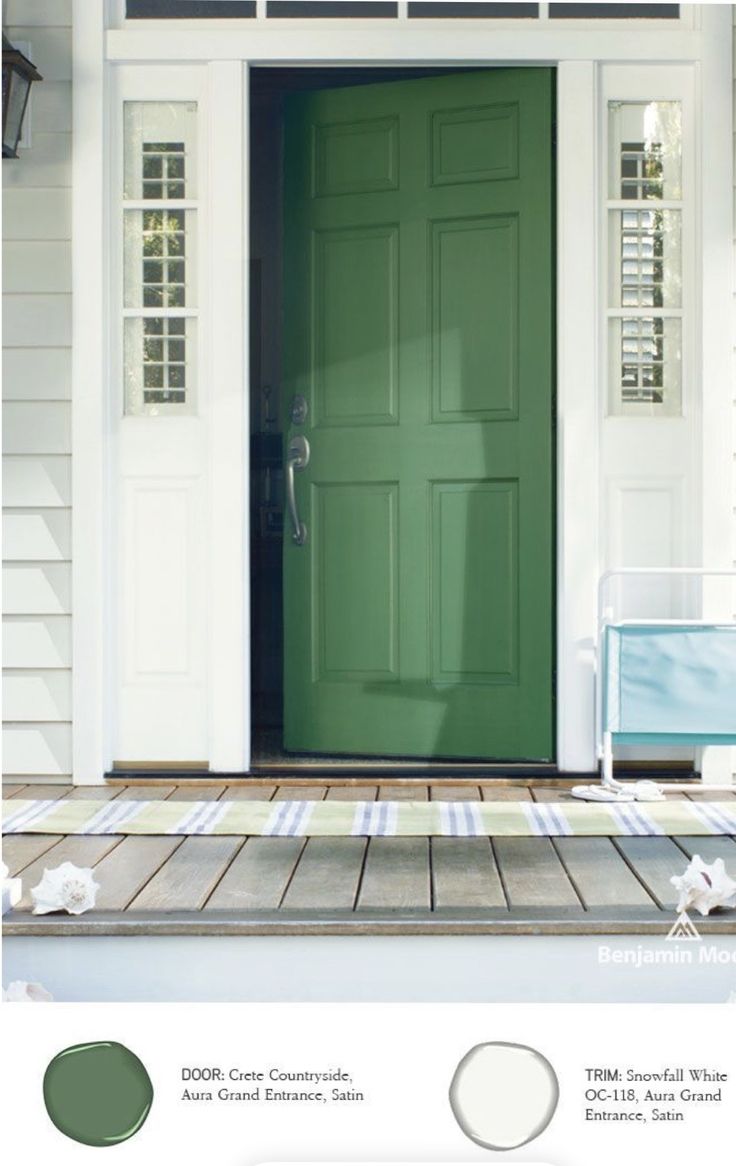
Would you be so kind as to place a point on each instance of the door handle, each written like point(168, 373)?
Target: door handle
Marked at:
point(297, 458)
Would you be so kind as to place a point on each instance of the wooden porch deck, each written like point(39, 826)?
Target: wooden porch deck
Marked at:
point(225, 885)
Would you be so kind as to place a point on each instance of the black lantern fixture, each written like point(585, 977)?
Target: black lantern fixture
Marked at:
point(18, 74)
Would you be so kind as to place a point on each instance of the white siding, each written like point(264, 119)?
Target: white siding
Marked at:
point(37, 603)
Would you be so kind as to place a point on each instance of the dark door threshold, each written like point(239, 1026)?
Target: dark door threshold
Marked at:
point(393, 771)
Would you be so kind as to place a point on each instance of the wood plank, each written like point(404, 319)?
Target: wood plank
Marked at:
point(396, 874)
point(43, 792)
point(710, 847)
point(92, 793)
point(82, 850)
point(352, 793)
point(655, 861)
point(327, 875)
point(300, 793)
point(126, 870)
point(259, 875)
point(532, 873)
point(146, 793)
point(193, 793)
point(403, 793)
point(12, 790)
point(505, 793)
point(454, 793)
point(187, 880)
point(703, 795)
point(20, 850)
point(464, 873)
point(600, 875)
point(249, 793)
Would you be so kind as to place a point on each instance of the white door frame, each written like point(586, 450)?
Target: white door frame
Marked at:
point(702, 38)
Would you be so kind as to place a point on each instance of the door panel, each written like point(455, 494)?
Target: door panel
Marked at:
point(418, 326)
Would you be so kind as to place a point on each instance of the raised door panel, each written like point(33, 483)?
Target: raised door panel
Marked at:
point(355, 365)
point(475, 328)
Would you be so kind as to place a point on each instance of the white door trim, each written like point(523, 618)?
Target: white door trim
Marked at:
point(576, 52)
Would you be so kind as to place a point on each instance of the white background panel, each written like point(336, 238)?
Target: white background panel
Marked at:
point(37, 536)
point(38, 267)
point(37, 427)
point(37, 481)
point(37, 749)
point(33, 374)
point(37, 696)
point(37, 643)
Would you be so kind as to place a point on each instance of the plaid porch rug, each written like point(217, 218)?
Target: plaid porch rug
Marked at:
point(368, 819)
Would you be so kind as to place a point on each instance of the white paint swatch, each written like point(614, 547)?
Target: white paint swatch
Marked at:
point(503, 1095)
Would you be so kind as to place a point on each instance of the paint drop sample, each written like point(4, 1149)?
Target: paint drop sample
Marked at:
point(98, 1094)
point(503, 1095)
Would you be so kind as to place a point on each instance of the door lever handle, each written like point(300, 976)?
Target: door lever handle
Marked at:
point(297, 458)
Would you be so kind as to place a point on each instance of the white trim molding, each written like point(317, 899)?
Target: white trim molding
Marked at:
point(90, 418)
point(698, 44)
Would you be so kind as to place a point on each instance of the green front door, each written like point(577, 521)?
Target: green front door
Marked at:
point(418, 330)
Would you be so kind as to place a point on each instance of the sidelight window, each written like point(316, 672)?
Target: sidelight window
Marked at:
point(645, 214)
point(160, 257)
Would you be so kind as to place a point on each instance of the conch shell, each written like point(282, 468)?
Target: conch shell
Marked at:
point(65, 888)
point(21, 992)
point(704, 887)
point(11, 889)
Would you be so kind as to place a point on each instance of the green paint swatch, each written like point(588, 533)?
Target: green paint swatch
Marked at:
point(98, 1094)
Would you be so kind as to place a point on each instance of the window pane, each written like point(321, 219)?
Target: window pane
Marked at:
point(160, 259)
point(645, 259)
point(645, 150)
point(160, 363)
point(160, 155)
point(645, 354)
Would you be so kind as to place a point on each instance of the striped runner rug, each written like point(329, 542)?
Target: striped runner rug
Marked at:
point(368, 819)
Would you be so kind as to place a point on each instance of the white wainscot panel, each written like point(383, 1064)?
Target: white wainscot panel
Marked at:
point(37, 749)
point(42, 427)
point(163, 713)
point(37, 696)
point(37, 482)
point(37, 374)
point(43, 589)
point(158, 594)
point(37, 536)
point(51, 108)
point(645, 525)
point(35, 319)
point(37, 642)
point(37, 214)
point(47, 163)
point(37, 267)
point(51, 49)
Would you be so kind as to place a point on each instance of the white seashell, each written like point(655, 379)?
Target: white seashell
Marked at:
point(21, 992)
point(65, 888)
point(11, 890)
point(704, 887)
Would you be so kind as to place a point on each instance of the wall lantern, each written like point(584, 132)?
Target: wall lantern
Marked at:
point(18, 74)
